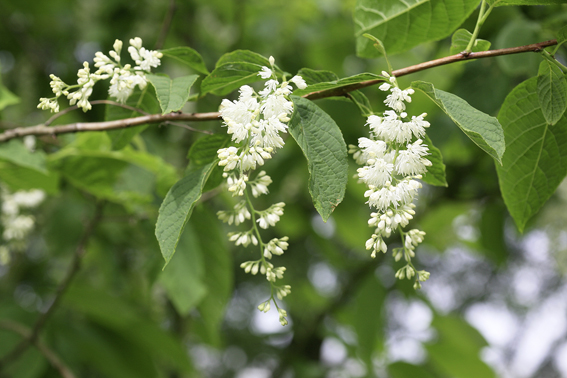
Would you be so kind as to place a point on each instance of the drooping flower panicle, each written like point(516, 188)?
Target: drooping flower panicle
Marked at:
point(394, 158)
point(123, 79)
point(255, 122)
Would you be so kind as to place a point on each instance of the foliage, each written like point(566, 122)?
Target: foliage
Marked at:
point(124, 270)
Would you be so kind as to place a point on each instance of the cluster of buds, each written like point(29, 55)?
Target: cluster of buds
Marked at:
point(394, 159)
point(123, 79)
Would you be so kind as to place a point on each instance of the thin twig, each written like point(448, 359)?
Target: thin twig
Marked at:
point(20, 348)
point(42, 129)
point(187, 127)
point(49, 355)
point(166, 25)
point(94, 102)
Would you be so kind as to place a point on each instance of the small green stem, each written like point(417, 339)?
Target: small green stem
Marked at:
point(550, 58)
point(482, 16)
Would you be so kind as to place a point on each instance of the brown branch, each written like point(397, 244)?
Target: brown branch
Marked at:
point(49, 355)
point(342, 91)
point(42, 129)
point(20, 348)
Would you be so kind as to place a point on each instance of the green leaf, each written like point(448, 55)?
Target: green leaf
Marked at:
point(324, 148)
point(535, 161)
point(187, 56)
point(7, 98)
point(234, 70)
point(551, 91)
point(177, 207)
point(125, 319)
point(14, 151)
point(22, 178)
point(357, 97)
point(482, 129)
point(401, 369)
point(561, 36)
point(500, 3)
point(456, 352)
point(183, 278)
point(436, 173)
point(461, 39)
point(204, 150)
point(401, 25)
point(340, 83)
point(218, 278)
point(144, 100)
point(172, 94)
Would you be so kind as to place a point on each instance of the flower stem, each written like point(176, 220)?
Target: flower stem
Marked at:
point(482, 16)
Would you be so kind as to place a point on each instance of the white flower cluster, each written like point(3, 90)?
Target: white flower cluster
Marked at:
point(123, 79)
point(17, 226)
point(394, 158)
point(255, 122)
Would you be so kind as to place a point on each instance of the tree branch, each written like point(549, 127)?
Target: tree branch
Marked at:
point(43, 129)
point(20, 348)
point(51, 356)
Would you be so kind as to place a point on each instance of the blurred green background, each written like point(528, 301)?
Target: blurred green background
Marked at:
point(494, 306)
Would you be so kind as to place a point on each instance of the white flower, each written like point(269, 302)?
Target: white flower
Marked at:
point(298, 80)
point(123, 83)
point(411, 161)
point(377, 174)
point(276, 247)
point(265, 73)
point(229, 158)
point(28, 199)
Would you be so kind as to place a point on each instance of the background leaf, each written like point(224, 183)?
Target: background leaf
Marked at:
point(324, 148)
point(401, 25)
point(15, 152)
point(140, 99)
point(177, 207)
point(234, 70)
point(551, 91)
point(460, 41)
point(481, 128)
point(187, 56)
point(535, 161)
point(436, 173)
point(172, 94)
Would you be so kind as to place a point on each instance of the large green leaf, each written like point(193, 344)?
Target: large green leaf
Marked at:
point(481, 128)
point(551, 91)
point(204, 150)
point(183, 278)
point(14, 151)
point(535, 161)
point(325, 150)
point(172, 94)
point(187, 56)
point(460, 41)
point(403, 24)
point(234, 70)
point(177, 207)
point(436, 173)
